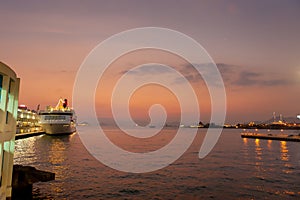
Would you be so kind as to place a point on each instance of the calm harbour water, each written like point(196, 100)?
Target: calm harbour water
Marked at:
point(236, 169)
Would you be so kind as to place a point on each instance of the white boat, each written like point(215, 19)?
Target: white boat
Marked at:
point(59, 120)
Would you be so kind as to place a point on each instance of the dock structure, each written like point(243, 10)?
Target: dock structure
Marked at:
point(23, 179)
point(29, 134)
point(9, 96)
point(282, 137)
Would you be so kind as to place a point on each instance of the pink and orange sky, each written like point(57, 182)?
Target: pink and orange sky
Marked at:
point(255, 44)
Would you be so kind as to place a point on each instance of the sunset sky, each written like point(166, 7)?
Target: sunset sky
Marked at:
point(255, 44)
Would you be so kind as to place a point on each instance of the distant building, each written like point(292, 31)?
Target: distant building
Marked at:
point(9, 93)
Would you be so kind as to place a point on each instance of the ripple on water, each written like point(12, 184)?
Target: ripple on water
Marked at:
point(235, 169)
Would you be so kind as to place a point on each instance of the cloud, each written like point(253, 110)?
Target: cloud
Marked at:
point(207, 71)
point(233, 75)
point(149, 69)
point(248, 78)
point(236, 75)
point(226, 68)
point(57, 71)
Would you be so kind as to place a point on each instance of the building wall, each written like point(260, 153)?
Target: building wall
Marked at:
point(9, 93)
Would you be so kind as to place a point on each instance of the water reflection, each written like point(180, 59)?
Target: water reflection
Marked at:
point(236, 169)
point(284, 156)
point(246, 149)
point(56, 153)
point(258, 152)
point(284, 151)
point(25, 151)
point(258, 149)
point(269, 144)
point(57, 158)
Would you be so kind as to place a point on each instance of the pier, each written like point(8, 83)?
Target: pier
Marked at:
point(23, 178)
point(282, 137)
point(29, 134)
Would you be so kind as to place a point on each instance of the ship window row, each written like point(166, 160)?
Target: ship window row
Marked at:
point(58, 117)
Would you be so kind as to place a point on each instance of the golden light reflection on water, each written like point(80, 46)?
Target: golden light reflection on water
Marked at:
point(258, 151)
point(85, 178)
point(246, 148)
point(56, 153)
point(284, 156)
point(25, 151)
point(28, 152)
point(269, 144)
point(284, 151)
point(57, 158)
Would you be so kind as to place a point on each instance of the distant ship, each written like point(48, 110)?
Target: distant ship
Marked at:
point(59, 120)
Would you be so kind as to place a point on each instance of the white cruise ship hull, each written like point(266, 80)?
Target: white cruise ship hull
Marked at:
point(59, 129)
point(58, 122)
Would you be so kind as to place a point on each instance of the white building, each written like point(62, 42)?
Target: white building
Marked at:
point(9, 92)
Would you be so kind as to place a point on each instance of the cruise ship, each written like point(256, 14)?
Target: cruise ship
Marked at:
point(58, 120)
point(27, 121)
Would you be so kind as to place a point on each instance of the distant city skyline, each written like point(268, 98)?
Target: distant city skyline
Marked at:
point(255, 44)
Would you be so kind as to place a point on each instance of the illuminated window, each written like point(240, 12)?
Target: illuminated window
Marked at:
point(55, 117)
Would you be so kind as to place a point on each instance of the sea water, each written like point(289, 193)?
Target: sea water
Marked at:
point(236, 168)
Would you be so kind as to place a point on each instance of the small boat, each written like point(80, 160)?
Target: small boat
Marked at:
point(59, 120)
